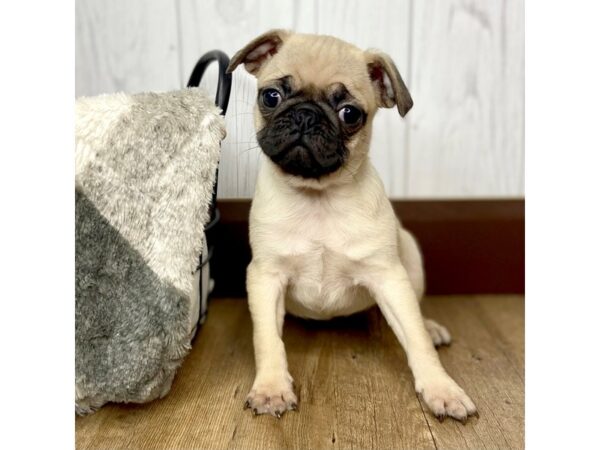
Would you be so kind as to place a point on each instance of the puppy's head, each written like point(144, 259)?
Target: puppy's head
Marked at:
point(317, 96)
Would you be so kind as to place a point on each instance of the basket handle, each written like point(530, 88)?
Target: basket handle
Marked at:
point(224, 85)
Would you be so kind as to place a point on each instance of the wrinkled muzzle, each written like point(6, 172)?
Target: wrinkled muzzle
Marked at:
point(302, 140)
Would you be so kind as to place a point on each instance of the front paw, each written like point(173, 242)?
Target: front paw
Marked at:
point(273, 397)
point(445, 398)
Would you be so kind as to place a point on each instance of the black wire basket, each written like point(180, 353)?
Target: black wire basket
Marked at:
point(222, 101)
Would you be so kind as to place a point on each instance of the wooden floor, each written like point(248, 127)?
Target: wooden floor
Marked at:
point(355, 389)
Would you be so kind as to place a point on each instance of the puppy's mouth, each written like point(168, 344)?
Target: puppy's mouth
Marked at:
point(300, 160)
point(302, 141)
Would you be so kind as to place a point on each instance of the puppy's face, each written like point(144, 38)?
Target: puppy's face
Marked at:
point(308, 130)
point(317, 96)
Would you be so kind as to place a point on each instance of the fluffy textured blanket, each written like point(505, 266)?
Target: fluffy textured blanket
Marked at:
point(145, 169)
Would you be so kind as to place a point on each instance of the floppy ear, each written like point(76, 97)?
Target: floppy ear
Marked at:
point(389, 86)
point(259, 51)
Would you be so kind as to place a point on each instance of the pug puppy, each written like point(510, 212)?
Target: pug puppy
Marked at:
point(325, 240)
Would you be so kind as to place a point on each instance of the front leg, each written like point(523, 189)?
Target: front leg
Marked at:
point(272, 391)
point(398, 302)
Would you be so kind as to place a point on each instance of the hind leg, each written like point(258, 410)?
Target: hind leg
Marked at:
point(439, 334)
point(410, 255)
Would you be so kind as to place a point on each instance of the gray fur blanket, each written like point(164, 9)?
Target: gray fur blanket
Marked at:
point(145, 169)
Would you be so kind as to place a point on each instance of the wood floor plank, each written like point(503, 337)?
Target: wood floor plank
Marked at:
point(359, 381)
point(505, 317)
point(354, 386)
point(482, 363)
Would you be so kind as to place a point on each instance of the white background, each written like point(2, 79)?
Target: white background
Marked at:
point(37, 224)
point(462, 60)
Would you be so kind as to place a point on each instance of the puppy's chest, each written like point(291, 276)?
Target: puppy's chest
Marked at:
point(321, 252)
point(320, 265)
point(322, 273)
point(322, 256)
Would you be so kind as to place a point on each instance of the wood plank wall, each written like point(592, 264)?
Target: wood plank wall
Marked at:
point(463, 61)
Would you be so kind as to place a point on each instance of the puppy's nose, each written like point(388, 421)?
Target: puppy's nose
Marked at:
point(306, 116)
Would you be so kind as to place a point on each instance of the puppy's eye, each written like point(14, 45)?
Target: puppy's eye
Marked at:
point(271, 98)
point(350, 115)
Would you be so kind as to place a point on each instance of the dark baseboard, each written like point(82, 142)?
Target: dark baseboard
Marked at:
point(469, 246)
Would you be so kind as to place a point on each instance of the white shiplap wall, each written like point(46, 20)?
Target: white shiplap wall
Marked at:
point(462, 60)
